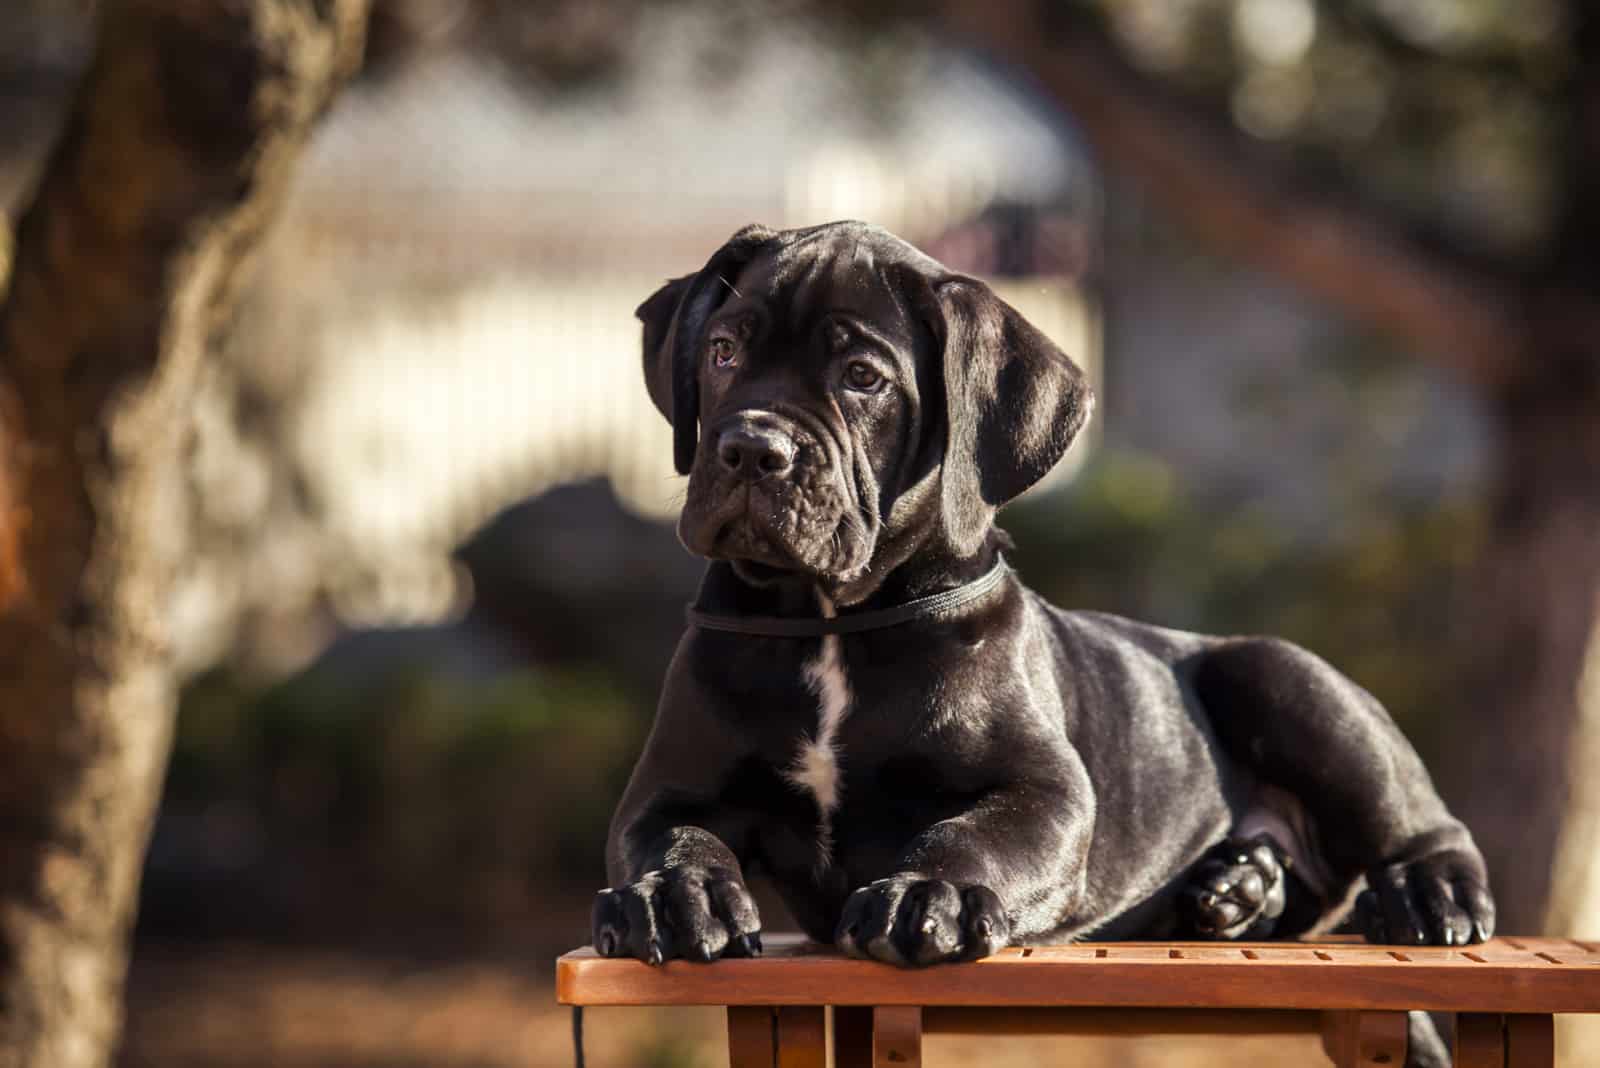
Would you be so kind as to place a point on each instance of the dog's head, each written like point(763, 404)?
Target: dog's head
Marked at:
point(841, 401)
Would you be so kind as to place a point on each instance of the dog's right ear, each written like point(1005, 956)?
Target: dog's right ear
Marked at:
point(656, 314)
point(674, 318)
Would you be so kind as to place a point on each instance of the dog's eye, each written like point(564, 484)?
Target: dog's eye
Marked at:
point(722, 352)
point(862, 375)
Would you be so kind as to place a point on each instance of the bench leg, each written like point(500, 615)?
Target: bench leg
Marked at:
point(897, 1036)
point(1530, 1041)
point(1480, 1040)
point(752, 1036)
point(1364, 1039)
point(793, 1036)
point(802, 1036)
point(1517, 1040)
point(852, 1036)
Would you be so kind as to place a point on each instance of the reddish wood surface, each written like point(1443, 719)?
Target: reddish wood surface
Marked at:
point(852, 1036)
point(802, 1037)
point(1480, 1041)
point(1380, 1039)
point(1115, 1020)
point(897, 1037)
point(1530, 1041)
point(1522, 975)
point(752, 1033)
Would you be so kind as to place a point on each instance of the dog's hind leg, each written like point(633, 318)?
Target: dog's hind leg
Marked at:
point(1425, 1045)
point(1300, 726)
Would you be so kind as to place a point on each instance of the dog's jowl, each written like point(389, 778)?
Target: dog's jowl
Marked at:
point(928, 760)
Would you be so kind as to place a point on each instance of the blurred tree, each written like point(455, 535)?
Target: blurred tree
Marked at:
point(1430, 168)
point(125, 268)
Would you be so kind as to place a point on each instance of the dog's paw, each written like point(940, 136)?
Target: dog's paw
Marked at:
point(1236, 891)
point(690, 912)
point(912, 920)
point(1440, 900)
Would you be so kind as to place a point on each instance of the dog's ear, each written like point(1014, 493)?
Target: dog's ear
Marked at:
point(656, 314)
point(1013, 403)
point(674, 317)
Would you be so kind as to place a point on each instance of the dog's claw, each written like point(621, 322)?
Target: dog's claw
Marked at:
point(683, 911)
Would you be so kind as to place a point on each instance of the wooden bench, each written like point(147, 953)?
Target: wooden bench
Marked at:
point(1355, 995)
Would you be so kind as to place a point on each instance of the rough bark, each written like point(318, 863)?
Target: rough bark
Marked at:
point(1531, 611)
point(1570, 340)
point(126, 266)
point(1529, 342)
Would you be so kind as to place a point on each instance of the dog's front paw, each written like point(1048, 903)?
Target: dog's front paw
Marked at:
point(1440, 900)
point(691, 912)
point(910, 919)
point(1236, 891)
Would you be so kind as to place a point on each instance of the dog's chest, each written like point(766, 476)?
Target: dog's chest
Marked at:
point(815, 767)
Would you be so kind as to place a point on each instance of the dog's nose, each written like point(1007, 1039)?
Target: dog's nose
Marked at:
point(755, 452)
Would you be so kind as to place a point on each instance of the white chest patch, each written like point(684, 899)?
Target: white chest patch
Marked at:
point(816, 765)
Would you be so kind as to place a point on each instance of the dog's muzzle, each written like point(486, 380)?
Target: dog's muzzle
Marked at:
point(766, 493)
point(749, 451)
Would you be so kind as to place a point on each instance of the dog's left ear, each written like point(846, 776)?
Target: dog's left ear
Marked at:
point(1013, 403)
point(674, 317)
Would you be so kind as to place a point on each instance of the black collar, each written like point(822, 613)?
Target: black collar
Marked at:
point(878, 618)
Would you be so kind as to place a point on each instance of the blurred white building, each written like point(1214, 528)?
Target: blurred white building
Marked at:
point(446, 320)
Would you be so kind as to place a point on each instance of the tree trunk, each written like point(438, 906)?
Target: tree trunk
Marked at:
point(1534, 603)
point(1537, 687)
point(125, 268)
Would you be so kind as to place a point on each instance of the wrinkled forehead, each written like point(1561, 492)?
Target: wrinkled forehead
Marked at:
point(850, 274)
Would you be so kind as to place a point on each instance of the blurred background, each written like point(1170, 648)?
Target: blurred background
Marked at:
point(430, 583)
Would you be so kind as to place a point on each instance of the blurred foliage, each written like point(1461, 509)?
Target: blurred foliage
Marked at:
point(449, 801)
point(1448, 111)
point(668, 1049)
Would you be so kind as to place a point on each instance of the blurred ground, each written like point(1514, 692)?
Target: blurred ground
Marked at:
point(249, 1006)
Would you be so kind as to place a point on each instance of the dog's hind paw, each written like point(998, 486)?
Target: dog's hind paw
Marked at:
point(1235, 891)
point(1440, 900)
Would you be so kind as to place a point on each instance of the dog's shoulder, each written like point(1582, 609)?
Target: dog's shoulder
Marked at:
point(1093, 632)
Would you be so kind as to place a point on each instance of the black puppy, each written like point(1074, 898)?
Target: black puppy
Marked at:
point(929, 760)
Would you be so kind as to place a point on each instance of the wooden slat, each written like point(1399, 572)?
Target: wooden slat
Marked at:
point(1032, 1020)
point(802, 1037)
point(1480, 1041)
point(751, 1037)
point(1530, 1041)
point(897, 1036)
point(852, 1036)
point(1521, 975)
